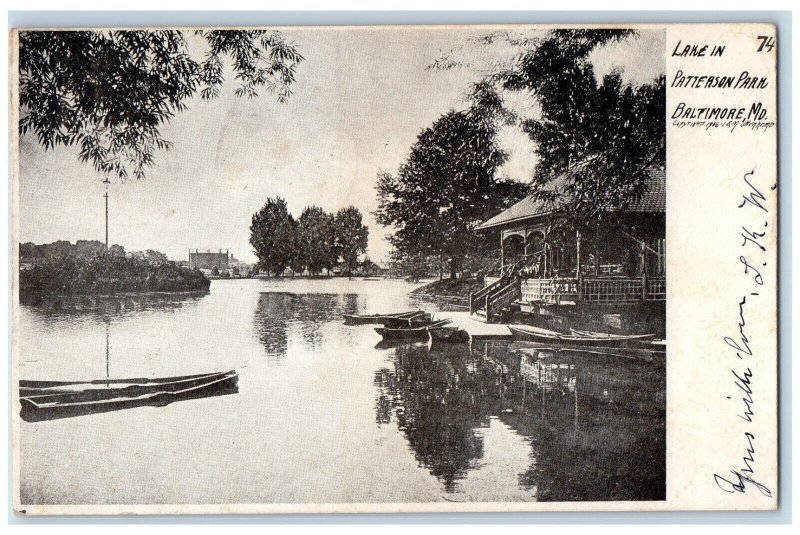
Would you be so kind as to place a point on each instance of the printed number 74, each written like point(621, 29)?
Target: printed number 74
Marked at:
point(767, 42)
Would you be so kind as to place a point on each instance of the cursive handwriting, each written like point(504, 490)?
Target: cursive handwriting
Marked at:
point(752, 236)
point(744, 346)
point(744, 384)
point(744, 475)
point(748, 267)
point(754, 196)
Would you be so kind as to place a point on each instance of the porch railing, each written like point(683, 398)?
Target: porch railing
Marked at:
point(600, 290)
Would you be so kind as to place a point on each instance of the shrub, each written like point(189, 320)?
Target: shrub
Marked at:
point(105, 275)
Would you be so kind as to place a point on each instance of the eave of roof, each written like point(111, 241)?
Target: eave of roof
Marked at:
point(652, 201)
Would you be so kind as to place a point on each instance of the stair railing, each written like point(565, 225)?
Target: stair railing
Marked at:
point(501, 298)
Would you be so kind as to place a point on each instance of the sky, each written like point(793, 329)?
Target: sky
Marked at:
point(361, 98)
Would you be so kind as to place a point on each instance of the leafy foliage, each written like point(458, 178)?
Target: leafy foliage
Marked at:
point(110, 92)
point(414, 266)
point(65, 275)
point(316, 241)
point(351, 237)
point(448, 184)
point(272, 235)
point(599, 137)
point(318, 238)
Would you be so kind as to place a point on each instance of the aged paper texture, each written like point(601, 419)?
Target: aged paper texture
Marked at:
point(395, 269)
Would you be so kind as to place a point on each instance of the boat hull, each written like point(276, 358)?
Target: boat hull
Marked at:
point(549, 337)
point(409, 333)
point(41, 401)
point(449, 335)
point(371, 319)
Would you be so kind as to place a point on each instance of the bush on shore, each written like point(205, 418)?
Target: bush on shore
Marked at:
point(106, 275)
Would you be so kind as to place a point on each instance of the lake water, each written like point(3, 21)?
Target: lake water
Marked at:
point(325, 413)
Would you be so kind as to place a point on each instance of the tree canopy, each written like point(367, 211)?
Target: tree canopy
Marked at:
point(316, 241)
point(599, 136)
point(351, 237)
point(273, 236)
point(110, 92)
point(448, 185)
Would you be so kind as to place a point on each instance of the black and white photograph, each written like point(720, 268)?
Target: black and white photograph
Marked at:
point(341, 266)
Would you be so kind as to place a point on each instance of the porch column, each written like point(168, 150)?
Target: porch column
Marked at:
point(643, 268)
point(525, 243)
point(578, 262)
point(502, 256)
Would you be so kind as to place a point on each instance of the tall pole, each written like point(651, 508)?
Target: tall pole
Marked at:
point(579, 277)
point(106, 182)
point(108, 375)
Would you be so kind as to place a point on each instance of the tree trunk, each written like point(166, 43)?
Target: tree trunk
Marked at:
point(441, 267)
point(454, 265)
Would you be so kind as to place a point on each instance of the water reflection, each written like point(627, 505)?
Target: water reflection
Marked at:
point(102, 307)
point(278, 314)
point(595, 425)
point(44, 400)
point(438, 403)
point(487, 422)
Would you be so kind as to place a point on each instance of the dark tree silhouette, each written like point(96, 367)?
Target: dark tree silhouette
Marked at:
point(273, 236)
point(448, 185)
point(598, 137)
point(109, 92)
point(351, 237)
point(317, 239)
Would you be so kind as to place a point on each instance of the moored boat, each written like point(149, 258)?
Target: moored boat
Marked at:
point(411, 333)
point(544, 350)
point(418, 319)
point(49, 400)
point(449, 334)
point(537, 334)
point(366, 319)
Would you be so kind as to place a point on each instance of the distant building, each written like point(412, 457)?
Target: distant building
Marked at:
point(208, 260)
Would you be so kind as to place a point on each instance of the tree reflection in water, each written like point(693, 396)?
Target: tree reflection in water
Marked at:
point(277, 312)
point(99, 308)
point(596, 424)
point(438, 403)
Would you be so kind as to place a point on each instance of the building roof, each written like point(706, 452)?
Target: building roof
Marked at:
point(654, 199)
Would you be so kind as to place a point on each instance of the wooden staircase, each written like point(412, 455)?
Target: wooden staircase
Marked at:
point(491, 301)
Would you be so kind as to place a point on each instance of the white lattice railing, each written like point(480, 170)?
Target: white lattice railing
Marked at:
point(593, 290)
point(550, 291)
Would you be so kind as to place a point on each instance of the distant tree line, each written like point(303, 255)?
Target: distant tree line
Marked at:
point(62, 268)
point(32, 253)
point(317, 241)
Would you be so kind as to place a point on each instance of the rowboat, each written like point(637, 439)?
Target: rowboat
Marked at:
point(543, 350)
point(365, 319)
point(448, 333)
point(420, 332)
point(418, 319)
point(49, 400)
point(537, 334)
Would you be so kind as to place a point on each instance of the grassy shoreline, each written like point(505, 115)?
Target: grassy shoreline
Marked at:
point(454, 289)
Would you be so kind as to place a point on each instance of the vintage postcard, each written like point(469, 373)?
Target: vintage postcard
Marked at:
point(394, 269)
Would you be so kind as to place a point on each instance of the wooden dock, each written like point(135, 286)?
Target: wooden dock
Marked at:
point(477, 328)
